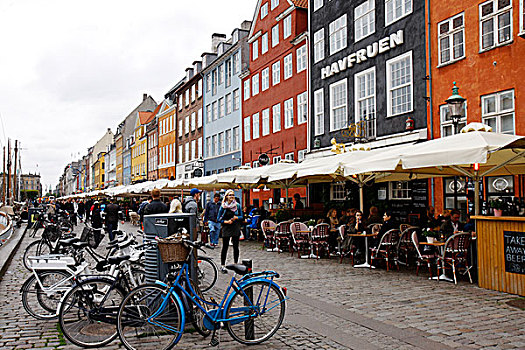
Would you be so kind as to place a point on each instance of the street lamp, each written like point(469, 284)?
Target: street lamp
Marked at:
point(456, 107)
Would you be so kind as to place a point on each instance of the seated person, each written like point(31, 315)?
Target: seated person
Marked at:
point(354, 226)
point(373, 217)
point(388, 224)
point(452, 224)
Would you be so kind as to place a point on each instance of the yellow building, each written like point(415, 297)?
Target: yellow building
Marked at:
point(99, 167)
point(139, 154)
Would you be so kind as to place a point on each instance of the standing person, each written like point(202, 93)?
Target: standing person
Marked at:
point(298, 204)
point(210, 218)
point(112, 215)
point(155, 206)
point(81, 209)
point(191, 206)
point(230, 217)
point(96, 218)
point(142, 206)
point(175, 206)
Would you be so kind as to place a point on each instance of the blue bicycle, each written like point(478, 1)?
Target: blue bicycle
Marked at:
point(252, 309)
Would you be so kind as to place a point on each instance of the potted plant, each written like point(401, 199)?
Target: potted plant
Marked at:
point(431, 235)
point(497, 204)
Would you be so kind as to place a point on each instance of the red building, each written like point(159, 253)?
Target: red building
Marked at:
point(478, 44)
point(274, 90)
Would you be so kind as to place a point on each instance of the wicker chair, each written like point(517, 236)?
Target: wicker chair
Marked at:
point(405, 248)
point(268, 231)
point(386, 249)
point(350, 251)
point(319, 239)
point(283, 237)
point(422, 258)
point(455, 254)
point(300, 238)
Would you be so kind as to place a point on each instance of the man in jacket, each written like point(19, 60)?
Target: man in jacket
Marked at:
point(190, 206)
point(452, 225)
point(210, 218)
point(112, 215)
point(156, 206)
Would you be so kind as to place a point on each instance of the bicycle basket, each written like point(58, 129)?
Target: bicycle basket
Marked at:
point(172, 250)
point(51, 232)
point(92, 236)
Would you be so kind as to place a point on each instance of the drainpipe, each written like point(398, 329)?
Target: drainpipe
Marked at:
point(429, 57)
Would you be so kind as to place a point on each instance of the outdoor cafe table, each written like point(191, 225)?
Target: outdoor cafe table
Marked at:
point(366, 235)
point(441, 246)
point(311, 255)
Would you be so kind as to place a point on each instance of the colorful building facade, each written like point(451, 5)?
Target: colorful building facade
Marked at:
point(167, 140)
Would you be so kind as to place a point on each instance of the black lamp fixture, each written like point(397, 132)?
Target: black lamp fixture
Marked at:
point(317, 143)
point(456, 107)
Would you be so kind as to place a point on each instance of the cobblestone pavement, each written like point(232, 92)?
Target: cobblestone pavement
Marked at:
point(331, 306)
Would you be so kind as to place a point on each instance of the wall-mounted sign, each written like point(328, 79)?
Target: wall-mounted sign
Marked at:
point(371, 51)
point(514, 245)
point(264, 159)
point(197, 172)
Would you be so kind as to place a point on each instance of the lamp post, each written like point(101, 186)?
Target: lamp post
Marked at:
point(456, 107)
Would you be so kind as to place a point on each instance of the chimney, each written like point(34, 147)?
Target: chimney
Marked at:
point(197, 67)
point(189, 73)
point(216, 39)
point(246, 25)
point(144, 97)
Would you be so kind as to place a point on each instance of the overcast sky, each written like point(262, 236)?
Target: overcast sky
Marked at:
point(71, 69)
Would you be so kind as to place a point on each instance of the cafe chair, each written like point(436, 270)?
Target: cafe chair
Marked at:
point(319, 239)
point(374, 228)
point(300, 238)
point(403, 227)
point(455, 254)
point(283, 236)
point(344, 252)
point(386, 249)
point(422, 258)
point(268, 231)
point(405, 248)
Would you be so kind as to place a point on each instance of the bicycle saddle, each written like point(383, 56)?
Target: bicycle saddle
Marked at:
point(115, 260)
point(239, 269)
point(69, 241)
point(79, 245)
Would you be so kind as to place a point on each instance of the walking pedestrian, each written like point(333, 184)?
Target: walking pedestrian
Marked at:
point(112, 215)
point(96, 218)
point(175, 206)
point(210, 218)
point(191, 206)
point(156, 206)
point(230, 216)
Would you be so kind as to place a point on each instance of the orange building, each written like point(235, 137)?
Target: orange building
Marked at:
point(479, 45)
point(167, 140)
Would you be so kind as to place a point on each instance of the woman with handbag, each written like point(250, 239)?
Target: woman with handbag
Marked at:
point(230, 216)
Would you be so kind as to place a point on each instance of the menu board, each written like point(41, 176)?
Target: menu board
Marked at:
point(514, 245)
point(417, 205)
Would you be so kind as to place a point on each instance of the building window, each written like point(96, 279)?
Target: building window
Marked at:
point(275, 35)
point(451, 39)
point(235, 62)
point(265, 122)
point(180, 127)
point(288, 69)
point(228, 104)
point(221, 143)
point(214, 82)
point(365, 99)
point(447, 127)
point(264, 43)
point(208, 146)
point(302, 108)
point(199, 147)
point(276, 73)
point(215, 111)
point(396, 9)
point(301, 58)
point(276, 116)
point(337, 34)
point(236, 99)
point(365, 20)
point(227, 141)
point(255, 50)
point(289, 156)
point(498, 111)
point(338, 101)
point(400, 190)
point(287, 26)
point(288, 113)
point(199, 118)
point(199, 88)
point(265, 79)
point(214, 145)
point(221, 107)
point(319, 45)
point(193, 95)
point(208, 82)
point(274, 4)
point(228, 72)
point(264, 10)
point(246, 89)
point(220, 72)
point(247, 129)
point(276, 160)
point(399, 84)
point(300, 155)
point(235, 145)
point(255, 164)
point(186, 151)
point(337, 192)
point(495, 23)
point(255, 84)
point(193, 122)
point(193, 150)
point(318, 4)
point(187, 125)
point(255, 126)
point(319, 112)
point(187, 97)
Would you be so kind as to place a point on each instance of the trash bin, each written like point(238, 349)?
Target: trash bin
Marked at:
point(164, 225)
point(33, 215)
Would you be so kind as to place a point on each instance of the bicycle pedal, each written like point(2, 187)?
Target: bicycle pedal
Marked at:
point(214, 342)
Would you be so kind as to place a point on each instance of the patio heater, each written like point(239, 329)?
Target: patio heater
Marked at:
point(456, 107)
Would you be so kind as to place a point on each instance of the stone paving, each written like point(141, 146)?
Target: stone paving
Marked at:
point(331, 306)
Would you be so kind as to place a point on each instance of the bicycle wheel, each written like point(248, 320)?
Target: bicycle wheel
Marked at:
point(35, 248)
point(259, 322)
point(207, 273)
point(42, 303)
point(88, 312)
point(141, 323)
point(197, 315)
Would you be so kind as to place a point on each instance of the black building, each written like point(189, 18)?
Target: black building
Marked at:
point(368, 79)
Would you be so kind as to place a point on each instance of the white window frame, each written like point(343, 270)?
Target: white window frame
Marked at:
point(288, 113)
point(499, 113)
point(221, 107)
point(246, 94)
point(208, 147)
point(264, 10)
point(236, 99)
point(229, 104)
point(235, 138)
point(193, 121)
point(208, 82)
point(193, 149)
point(214, 146)
point(214, 110)
point(274, 4)
point(227, 141)
point(301, 155)
point(390, 89)
point(265, 121)
point(338, 34)
point(319, 112)
point(302, 108)
point(344, 123)
point(255, 50)
point(364, 99)
point(199, 148)
point(264, 43)
point(494, 17)
point(193, 94)
point(288, 66)
point(275, 35)
point(318, 4)
point(276, 118)
point(319, 45)
point(265, 79)
point(276, 73)
point(404, 9)
point(364, 17)
point(255, 84)
point(276, 159)
point(220, 140)
point(446, 123)
point(337, 191)
point(400, 190)
point(187, 125)
point(255, 126)
point(287, 26)
point(181, 127)
point(449, 37)
point(301, 58)
point(247, 129)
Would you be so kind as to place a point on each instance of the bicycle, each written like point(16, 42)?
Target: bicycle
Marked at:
point(207, 270)
point(252, 309)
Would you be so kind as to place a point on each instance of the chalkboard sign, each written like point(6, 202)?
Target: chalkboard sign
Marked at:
point(514, 245)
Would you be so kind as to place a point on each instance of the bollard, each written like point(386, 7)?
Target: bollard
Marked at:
point(249, 329)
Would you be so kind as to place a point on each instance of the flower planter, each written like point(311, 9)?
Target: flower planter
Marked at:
point(431, 239)
point(498, 212)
